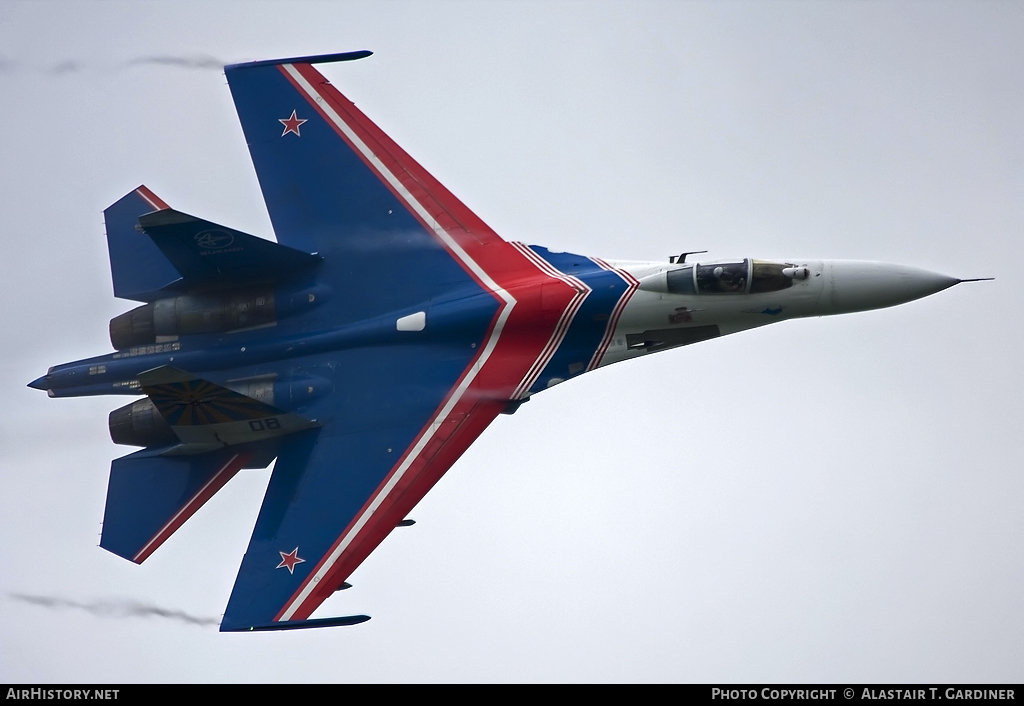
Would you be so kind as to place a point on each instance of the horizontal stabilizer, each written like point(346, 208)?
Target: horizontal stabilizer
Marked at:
point(138, 268)
point(205, 253)
point(302, 624)
point(150, 497)
point(205, 416)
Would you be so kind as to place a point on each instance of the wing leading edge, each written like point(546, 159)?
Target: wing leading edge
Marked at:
point(335, 184)
point(336, 493)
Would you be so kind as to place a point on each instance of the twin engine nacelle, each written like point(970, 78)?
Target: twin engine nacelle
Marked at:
point(140, 423)
point(222, 312)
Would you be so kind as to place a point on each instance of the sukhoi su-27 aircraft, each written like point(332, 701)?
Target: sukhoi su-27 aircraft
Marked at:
point(370, 345)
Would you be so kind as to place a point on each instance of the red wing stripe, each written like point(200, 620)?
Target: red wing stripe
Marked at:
point(152, 199)
point(222, 476)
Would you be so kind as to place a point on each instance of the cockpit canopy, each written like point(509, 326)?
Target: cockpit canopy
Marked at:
point(746, 277)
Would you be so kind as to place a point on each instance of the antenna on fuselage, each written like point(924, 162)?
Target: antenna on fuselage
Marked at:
point(680, 259)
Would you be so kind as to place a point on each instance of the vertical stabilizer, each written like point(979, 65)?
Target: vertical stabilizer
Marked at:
point(138, 268)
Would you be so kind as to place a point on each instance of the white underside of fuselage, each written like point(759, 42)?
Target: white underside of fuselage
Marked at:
point(729, 296)
point(652, 308)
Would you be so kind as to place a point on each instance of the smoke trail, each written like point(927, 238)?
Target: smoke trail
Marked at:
point(115, 608)
point(66, 67)
point(69, 66)
point(199, 61)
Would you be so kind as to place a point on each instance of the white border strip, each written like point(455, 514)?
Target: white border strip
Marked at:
point(154, 205)
point(631, 286)
point(564, 322)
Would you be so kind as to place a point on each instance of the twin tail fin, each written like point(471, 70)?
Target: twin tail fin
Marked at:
point(158, 252)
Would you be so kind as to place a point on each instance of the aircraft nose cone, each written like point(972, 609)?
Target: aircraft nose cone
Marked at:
point(39, 383)
point(858, 286)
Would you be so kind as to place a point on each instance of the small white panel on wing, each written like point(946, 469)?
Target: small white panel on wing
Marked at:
point(413, 322)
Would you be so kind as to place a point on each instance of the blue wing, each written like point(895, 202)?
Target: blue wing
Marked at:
point(391, 236)
point(398, 244)
point(337, 491)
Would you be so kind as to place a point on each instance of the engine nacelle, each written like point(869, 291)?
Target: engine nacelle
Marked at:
point(140, 424)
point(210, 313)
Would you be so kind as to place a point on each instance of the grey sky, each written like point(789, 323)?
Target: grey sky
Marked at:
point(823, 500)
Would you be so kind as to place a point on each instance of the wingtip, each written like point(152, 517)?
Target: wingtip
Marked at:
point(312, 59)
point(300, 624)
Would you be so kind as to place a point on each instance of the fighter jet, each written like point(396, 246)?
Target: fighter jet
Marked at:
point(369, 346)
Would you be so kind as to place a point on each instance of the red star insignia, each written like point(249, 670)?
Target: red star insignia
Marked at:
point(291, 124)
point(289, 560)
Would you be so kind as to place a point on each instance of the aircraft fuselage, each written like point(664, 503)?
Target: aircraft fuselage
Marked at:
point(660, 306)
